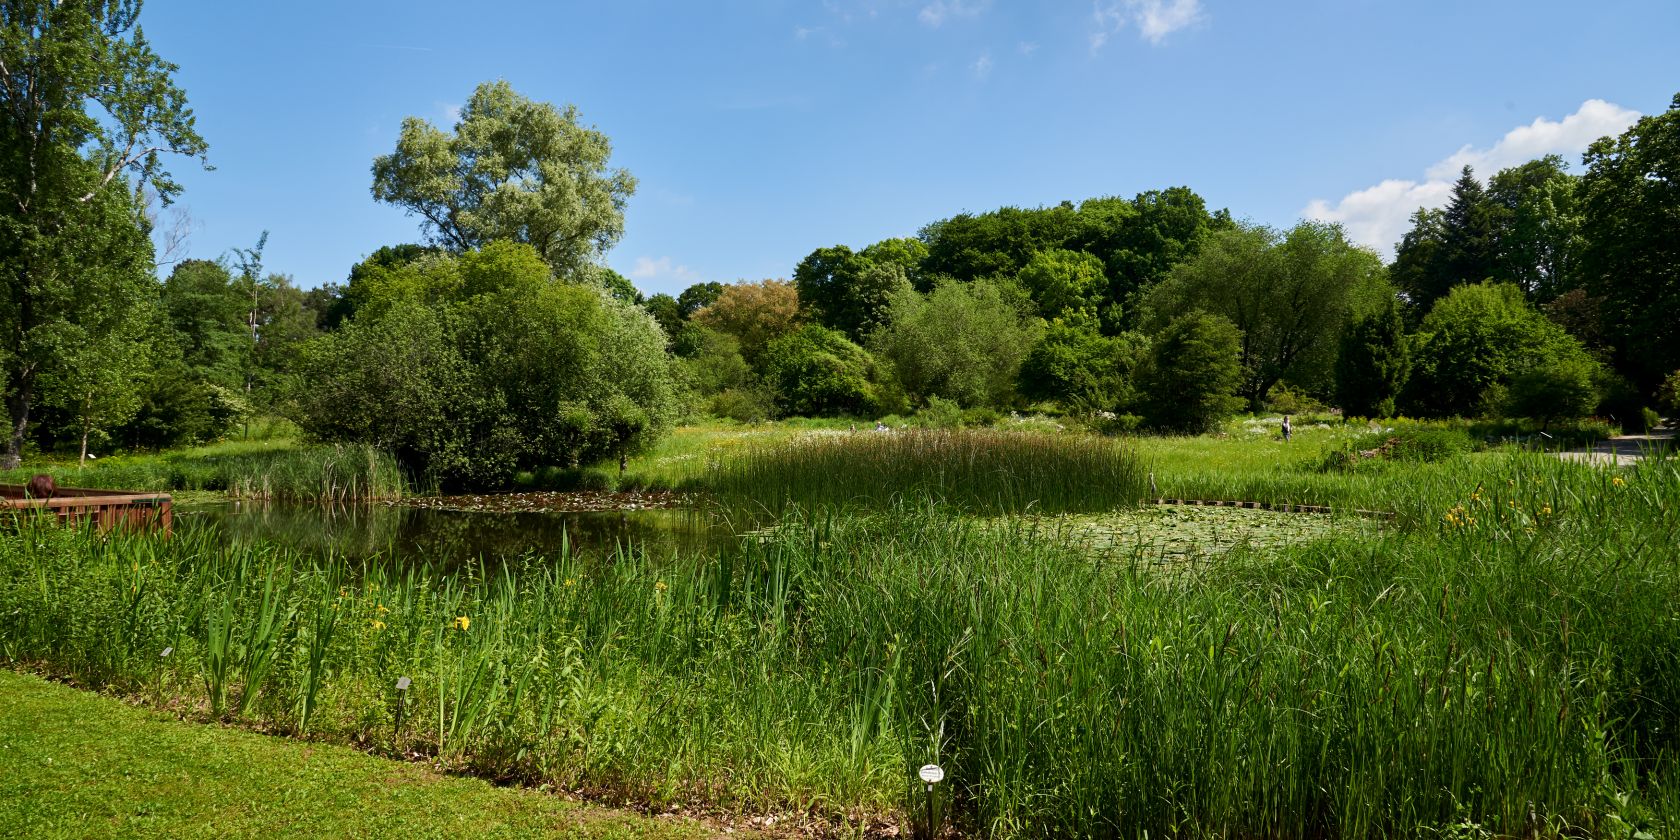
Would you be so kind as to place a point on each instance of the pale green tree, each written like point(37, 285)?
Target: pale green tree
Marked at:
point(513, 169)
point(963, 342)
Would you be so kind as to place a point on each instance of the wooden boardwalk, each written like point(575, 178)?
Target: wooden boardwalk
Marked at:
point(105, 509)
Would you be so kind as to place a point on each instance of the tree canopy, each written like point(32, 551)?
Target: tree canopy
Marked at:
point(512, 170)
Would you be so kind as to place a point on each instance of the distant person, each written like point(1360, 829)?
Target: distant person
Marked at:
point(1287, 429)
point(881, 427)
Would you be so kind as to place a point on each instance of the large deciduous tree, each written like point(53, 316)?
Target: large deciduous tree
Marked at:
point(514, 170)
point(962, 342)
point(1631, 224)
point(87, 112)
point(1190, 381)
point(754, 313)
point(1289, 294)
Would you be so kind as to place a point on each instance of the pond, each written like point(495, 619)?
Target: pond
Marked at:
point(449, 537)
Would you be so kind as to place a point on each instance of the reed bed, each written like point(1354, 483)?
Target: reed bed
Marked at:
point(976, 471)
point(327, 473)
point(1507, 663)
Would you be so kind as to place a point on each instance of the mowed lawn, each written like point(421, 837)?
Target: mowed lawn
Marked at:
point(75, 764)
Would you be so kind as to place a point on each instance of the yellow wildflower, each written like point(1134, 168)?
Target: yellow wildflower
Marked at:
point(1617, 481)
point(378, 625)
point(660, 586)
point(381, 609)
point(462, 622)
point(570, 582)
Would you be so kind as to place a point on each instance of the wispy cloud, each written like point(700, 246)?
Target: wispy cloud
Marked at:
point(1378, 216)
point(1155, 19)
point(936, 13)
point(982, 66)
point(451, 111)
point(648, 268)
point(1027, 47)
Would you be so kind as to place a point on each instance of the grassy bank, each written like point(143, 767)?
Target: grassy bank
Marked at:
point(1506, 662)
point(78, 765)
point(270, 469)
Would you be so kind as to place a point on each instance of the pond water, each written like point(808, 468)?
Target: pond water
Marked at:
point(452, 537)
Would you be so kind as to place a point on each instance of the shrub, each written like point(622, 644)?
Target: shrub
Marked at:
point(743, 405)
point(816, 371)
point(1191, 380)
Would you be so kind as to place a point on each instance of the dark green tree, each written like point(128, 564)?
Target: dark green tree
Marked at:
point(814, 371)
point(1537, 227)
point(1080, 368)
point(664, 310)
point(1190, 382)
point(845, 291)
point(1631, 226)
point(698, 297)
point(87, 112)
point(1373, 365)
point(1469, 237)
point(1417, 262)
point(1472, 343)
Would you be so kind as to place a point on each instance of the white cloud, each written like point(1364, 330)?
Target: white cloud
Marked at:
point(1378, 216)
point(1155, 19)
point(1027, 47)
point(983, 66)
point(939, 11)
point(450, 110)
point(648, 268)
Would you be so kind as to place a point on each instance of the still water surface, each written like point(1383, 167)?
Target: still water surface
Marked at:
point(451, 537)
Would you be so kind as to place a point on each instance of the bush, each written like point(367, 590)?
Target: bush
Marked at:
point(1407, 444)
point(1560, 388)
point(817, 372)
point(1191, 380)
point(743, 405)
point(1286, 400)
point(1668, 395)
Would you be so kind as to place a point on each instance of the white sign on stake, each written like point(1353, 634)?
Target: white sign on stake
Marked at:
point(931, 773)
point(166, 652)
point(402, 683)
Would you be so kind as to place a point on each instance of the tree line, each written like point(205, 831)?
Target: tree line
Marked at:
point(503, 343)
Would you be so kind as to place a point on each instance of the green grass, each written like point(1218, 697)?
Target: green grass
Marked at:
point(977, 471)
point(1505, 658)
point(73, 764)
point(267, 469)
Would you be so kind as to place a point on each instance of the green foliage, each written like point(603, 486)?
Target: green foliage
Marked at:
point(815, 372)
point(1668, 394)
point(513, 170)
point(1064, 284)
point(474, 368)
point(743, 405)
point(846, 291)
point(698, 297)
point(1473, 342)
point(1081, 369)
point(1291, 294)
point(754, 313)
point(713, 360)
point(665, 313)
point(964, 342)
point(1373, 364)
point(1412, 680)
point(1408, 443)
point(1537, 218)
point(1631, 206)
point(1558, 388)
point(978, 471)
point(1193, 373)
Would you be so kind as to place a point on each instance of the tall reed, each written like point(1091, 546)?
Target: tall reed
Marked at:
point(979, 471)
point(1507, 661)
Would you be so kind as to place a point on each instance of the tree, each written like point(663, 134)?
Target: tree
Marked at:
point(474, 367)
point(1417, 260)
point(1631, 215)
point(1064, 283)
point(513, 170)
point(664, 310)
point(962, 342)
point(1080, 368)
point(1469, 243)
point(754, 313)
point(1557, 388)
point(102, 377)
point(846, 291)
point(698, 297)
point(207, 316)
point(1473, 342)
point(1373, 365)
point(87, 112)
point(817, 372)
point(1289, 294)
point(1537, 227)
point(1190, 381)
point(905, 252)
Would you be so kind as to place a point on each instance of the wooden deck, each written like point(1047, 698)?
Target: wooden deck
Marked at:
point(106, 509)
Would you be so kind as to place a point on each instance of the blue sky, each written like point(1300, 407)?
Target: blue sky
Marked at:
point(760, 130)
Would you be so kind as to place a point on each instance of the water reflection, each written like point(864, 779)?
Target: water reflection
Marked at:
point(448, 537)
